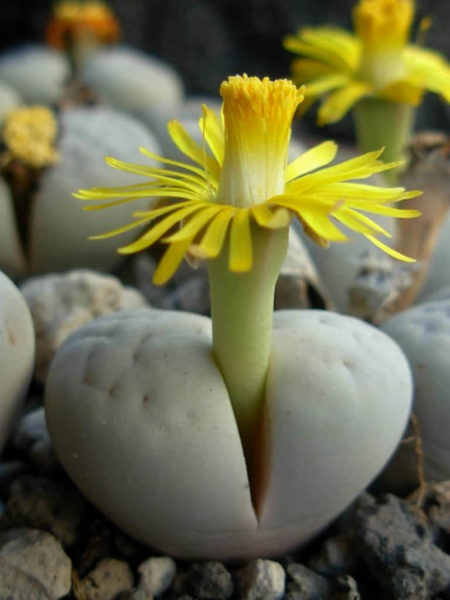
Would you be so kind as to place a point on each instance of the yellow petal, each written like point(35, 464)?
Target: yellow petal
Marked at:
point(324, 84)
point(158, 230)
point(403, 92)
point(212, 129)
point(190, 148)
point(170, 261)
point(305, 69)
point(388, 250)
point(119, 230)
point(314, 214)
point(428, 70)
point(319, 222)
point(364, 192)
point(147, 217)
point(213, 238)
point(316, 157)
point(272, 219)
point(241, 254)
point(338, 103)
point(358, 222)
point(330, 45)
point(355, 168)
point(190, 229)
point(387, 211)
point(175, 163)
point(158, 193)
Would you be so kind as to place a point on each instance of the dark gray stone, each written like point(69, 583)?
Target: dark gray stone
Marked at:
point(134, 594)
point(305, 584)
point(345, 588)
point(31, 437)
point(41, 503)
point(335, 556)
point(9, 471)
point(209, 580)
point(261, 580)
point(438, 508)
point(398, 550)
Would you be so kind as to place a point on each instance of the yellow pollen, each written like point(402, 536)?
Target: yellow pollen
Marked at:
point(383, 23)
point(29, 134)
point(263, 98)
point(258, 115)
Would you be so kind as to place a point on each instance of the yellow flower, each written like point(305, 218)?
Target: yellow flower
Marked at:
point(29, 134)
point(72, 18)
point(242, 181)
point(376, 62)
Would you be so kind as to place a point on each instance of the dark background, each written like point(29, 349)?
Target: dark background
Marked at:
point(206, 40)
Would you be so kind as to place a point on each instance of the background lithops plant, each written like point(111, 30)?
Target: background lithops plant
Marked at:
point(423, 332)
point(16, 353)
point(43, 229)
point(130, 80)
point(39, 74)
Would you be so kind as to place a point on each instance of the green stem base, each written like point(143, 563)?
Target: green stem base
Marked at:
point(242, 311)
point(381, 123)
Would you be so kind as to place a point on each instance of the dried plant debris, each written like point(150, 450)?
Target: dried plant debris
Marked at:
point(379, 284)
point(382, 286)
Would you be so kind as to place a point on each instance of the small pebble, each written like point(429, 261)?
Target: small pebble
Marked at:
point(109, 578)
point(305, 584)
point(156, 574)
point(345, 588)
point(98, 544)
point(9, 471)
point(42, 503)
point(335, 556)
point(32, 438)
point(210, 580)
point(134, 594)
point(61, 303)
point(261, 580)
point(33, 565)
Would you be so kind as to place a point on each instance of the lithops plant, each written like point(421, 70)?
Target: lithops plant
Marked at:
point(39, 74)
point(16, 353)
point(9, 99)
point(423, 332)
point(43, 229)
point(131, 80)
point(231, 437)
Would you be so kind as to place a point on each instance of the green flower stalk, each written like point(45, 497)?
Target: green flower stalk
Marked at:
point(375, 71)
point(233, 206)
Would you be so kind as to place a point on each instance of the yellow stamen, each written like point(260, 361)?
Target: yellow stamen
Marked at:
point(257, 118)
point(29, 134)
point(383, 23)
point(383, 28)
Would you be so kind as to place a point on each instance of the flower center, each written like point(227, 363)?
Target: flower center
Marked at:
point(75, 18)
point(383, 28)
point(257, 121)
point(29, 134)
